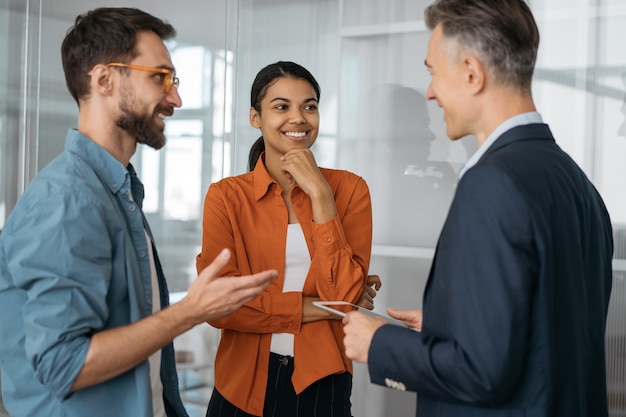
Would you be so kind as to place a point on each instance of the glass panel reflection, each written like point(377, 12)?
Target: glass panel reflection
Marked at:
point(368, 56)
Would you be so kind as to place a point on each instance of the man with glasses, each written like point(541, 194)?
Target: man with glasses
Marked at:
point(84, 327)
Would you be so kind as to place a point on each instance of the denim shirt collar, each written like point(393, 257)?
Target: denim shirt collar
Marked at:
point(111, 171)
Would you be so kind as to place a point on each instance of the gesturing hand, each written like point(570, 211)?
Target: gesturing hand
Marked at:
point(211, 297)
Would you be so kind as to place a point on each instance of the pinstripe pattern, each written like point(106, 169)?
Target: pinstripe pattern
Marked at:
point(329, 397)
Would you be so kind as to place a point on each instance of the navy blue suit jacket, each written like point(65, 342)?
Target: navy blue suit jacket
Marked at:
point(516, 300)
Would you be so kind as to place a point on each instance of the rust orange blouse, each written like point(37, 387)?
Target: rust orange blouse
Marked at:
point(247, 214)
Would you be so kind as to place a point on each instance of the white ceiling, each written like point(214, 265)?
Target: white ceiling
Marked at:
point(196, 21)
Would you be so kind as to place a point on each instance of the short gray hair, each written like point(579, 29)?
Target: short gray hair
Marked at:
point(503, 34)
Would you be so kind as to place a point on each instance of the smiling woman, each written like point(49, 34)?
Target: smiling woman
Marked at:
point(314, 225)
point(356, 49)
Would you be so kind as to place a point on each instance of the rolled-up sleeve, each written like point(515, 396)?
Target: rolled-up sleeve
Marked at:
point(66, 299)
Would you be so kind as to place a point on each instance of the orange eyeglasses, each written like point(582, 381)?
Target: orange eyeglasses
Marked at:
point(169, 78)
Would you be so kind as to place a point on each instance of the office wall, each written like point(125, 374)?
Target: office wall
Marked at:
point(368, 57)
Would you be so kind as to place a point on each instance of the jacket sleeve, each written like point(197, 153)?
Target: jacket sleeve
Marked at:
point(476, 308)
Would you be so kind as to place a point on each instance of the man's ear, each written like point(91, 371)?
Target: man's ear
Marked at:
point(475, 76)
point(255, 118)
point(101, 79)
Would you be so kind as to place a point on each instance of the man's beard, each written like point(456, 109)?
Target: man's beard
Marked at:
point(141, 127)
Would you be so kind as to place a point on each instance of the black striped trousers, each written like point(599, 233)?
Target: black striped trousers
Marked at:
point(328, 397)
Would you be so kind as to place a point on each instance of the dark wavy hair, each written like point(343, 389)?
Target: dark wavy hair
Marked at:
point(101, 36)
point(503, 33)
point(263, 80)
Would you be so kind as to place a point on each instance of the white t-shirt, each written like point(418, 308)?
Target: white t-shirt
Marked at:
point(297, 264)
point(158, 407)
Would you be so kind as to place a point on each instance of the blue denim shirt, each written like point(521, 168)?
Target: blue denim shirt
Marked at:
point(74, 261)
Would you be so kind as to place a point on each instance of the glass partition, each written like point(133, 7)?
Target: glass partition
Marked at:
point(19, 72)
point(19, 84)
point(368, 58)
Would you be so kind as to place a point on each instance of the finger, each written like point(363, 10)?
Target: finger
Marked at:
point(352, 317)
point(262, 279)
point(250, 286)
point(366, 300)
point(346, 319)
point(216, 266)
point(370, 293)
point(288, 177)
point(399, 314)
point(374, 280)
